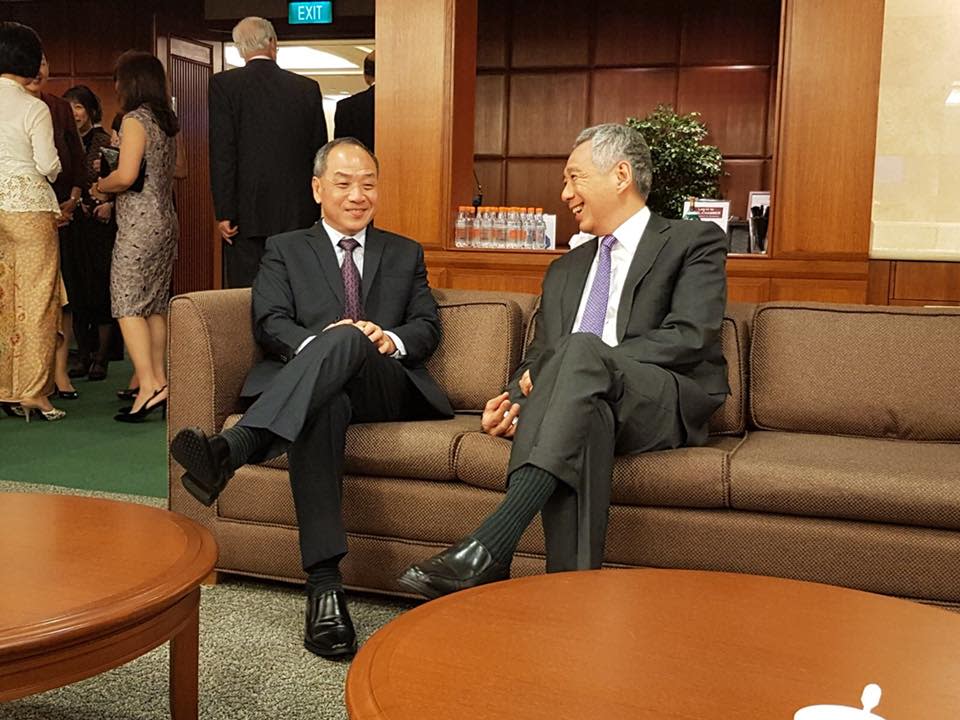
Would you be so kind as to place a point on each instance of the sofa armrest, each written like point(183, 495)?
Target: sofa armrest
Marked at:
point(211, 351)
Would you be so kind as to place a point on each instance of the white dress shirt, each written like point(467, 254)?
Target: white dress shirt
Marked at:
point(28, 157)
point(361, 237)
point(621, 255)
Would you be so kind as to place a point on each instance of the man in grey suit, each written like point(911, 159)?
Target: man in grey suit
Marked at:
point(346, 318)
point(266, 124)
point(626, 358)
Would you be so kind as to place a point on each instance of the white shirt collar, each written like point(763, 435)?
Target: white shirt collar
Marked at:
point(335, 235)
point(260, 57)
point(630, 232)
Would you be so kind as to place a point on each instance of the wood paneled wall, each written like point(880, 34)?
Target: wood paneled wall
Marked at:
point(541, 81)
point(82, 40)
point(426, 70)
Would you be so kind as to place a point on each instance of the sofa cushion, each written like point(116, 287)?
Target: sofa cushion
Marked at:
point(420, 449)
point(481, 345)
point(856, 370)
point(878, 480)
point(686, 477)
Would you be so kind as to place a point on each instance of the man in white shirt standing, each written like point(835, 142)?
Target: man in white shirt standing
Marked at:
point(626, 359)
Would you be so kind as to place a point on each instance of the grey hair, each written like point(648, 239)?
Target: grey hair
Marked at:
point(614, 143)
point(252, 34)
point(320, 159)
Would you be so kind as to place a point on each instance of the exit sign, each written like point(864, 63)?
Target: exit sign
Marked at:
point(310, 13)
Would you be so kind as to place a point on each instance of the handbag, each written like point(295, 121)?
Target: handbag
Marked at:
point(110, 159)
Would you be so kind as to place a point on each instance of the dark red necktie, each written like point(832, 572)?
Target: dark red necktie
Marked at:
point(352, 307)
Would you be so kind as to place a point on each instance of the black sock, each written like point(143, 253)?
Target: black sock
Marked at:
point(324, 575)
point(530, 488)
point(245, 442)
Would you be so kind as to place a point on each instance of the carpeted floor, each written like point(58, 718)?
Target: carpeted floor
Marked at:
point(88, 449)
point(252, 661)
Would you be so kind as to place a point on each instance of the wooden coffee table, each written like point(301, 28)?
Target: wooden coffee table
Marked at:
point(89, 584)
point(645, 644)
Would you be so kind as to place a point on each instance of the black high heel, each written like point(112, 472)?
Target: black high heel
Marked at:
point(144, 412)
point(128, 393)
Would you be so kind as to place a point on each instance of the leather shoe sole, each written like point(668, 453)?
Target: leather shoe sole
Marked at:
point(206, 475)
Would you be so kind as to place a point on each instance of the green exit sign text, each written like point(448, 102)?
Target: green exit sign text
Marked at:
point(310, 13)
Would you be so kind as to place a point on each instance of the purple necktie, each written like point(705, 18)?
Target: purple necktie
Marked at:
point(352, 307)
point(595, 311)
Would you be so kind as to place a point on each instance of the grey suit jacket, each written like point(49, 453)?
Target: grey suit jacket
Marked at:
point(298, 291)
point(670, 313)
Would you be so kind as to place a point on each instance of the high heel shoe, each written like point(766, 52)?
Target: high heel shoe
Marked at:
point(11, 409)
point(65, 394)
point(128, 393)
point(129, 416)
point(51, 415)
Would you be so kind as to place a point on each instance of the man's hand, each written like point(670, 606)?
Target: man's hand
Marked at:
point(384, 343)
point(526, 384)
point(227, 231)
point(500, 417)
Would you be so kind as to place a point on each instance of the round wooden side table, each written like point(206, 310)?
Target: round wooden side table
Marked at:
point(89, 584)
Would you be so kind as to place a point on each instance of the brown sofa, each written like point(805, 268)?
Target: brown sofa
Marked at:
point(835, 459)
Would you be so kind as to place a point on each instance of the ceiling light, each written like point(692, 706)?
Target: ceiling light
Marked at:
point(300, 57)
point(297, 57)
point(364, 48)
point(953, 99)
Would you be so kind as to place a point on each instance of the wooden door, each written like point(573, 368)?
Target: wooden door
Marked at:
point(190, 64)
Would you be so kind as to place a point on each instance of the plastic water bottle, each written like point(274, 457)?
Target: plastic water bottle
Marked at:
point(460, 229)
point(540, 230)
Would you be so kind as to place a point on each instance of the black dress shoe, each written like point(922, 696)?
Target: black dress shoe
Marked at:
point(329, 630)
point(465, 565)
point(206, 461)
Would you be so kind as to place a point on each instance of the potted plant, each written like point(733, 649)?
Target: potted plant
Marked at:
point(683, 166)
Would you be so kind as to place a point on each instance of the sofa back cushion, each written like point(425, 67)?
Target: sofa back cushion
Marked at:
point(481, 344)
point(731, 417)
point(856, 370)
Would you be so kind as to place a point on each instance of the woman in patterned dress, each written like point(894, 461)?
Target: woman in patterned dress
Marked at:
point(29, 250)
point(145, 248)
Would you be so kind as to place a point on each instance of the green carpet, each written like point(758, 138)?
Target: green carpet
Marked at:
point(88, 449)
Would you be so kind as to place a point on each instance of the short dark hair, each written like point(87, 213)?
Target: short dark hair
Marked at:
point(85, 96)
point(369, 66)
point(20, 50)
point(320, 159)
point(141, 81)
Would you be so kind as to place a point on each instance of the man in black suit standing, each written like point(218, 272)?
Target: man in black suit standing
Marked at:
point(265, 126)
point(626, 358)
point(347, 320)
point(354, 116)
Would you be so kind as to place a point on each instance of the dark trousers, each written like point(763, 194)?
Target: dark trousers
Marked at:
point(241, 260)
point(338, 379)
point(590, 403)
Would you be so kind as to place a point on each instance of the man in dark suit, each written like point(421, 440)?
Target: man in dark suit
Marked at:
point(626, 359)
point(265, 126)
point(354, 116)
point(347, 320)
